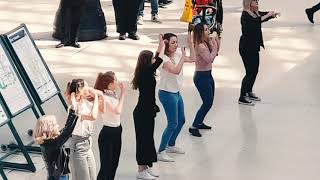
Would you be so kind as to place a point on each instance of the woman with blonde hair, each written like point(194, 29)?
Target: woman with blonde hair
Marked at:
point(51, 142)
point(249, 46)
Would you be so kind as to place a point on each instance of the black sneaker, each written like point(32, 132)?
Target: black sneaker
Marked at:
point(133, 36)
point(243, 100)
point(60, 45)
point(251, 96)
point(194, 132)
point(76, 45)
point(122, 37)
point(310, 15)
point(203, 126)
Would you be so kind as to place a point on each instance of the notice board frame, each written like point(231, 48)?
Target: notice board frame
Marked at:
point(24, 74)
point(16, 72)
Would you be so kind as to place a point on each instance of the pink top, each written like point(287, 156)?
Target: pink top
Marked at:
point(204, 57)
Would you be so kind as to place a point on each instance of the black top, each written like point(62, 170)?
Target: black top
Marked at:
point(147, 85)
point(54, 155)
point(251, 38)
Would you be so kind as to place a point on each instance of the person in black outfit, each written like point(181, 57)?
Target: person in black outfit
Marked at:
point(51, 143)
point(219, 16)
point(249, 47)
point(71, 12)
point(310, 12)
point(126, 14)
point(146, 109)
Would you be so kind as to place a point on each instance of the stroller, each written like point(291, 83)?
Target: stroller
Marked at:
point(205, 11)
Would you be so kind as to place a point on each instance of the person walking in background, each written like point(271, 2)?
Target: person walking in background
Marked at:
point(154, 12)
point(171, 79)
point(249, 46)
point(126, 14)
point(206, 51)
point(89, 102)
point(71, 12)
point(219, 16)
point(146, 109)
point(51, 142)
point(110, 135)
point(310, 12)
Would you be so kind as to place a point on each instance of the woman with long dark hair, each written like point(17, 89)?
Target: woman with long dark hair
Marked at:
point(206, 51)
point(171, 80)
point(249, 47)
point(146, 110)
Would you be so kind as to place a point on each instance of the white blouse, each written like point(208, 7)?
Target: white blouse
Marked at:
point(168, 81)
point(84, 128)
point(110, 119)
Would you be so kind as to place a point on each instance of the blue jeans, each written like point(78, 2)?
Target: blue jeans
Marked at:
point(205, 85)
point(64, 177)
point(174, 109)
point(154, 7)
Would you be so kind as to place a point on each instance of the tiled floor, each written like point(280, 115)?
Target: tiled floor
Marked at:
point(275, 140)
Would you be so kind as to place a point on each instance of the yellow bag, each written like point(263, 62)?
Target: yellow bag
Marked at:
point(187, 12)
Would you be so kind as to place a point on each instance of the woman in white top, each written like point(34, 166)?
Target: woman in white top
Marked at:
point(171, 77)
point(88, 103)
point(110, 135)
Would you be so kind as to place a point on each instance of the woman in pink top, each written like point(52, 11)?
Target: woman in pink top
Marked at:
point(206, 50)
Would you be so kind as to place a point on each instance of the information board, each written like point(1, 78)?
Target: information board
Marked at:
point(3, 116)
point(11, 88)
point(32, 63)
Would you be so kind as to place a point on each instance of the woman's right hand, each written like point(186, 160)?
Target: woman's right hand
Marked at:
point(123, 88)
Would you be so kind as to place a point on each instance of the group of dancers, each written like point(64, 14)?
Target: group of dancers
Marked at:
point(101, 102)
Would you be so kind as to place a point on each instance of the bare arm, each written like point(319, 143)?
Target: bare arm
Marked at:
point(118, 108)
point(192, 58)
point(175, 68)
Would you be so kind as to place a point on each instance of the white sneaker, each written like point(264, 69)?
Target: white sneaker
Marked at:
point(174, 149)
point(140, 20)
point(163, 156)
point(144, 175)
point(152, 172)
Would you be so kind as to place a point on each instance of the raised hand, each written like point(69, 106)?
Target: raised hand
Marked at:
point(124, 88)
point(190, 39)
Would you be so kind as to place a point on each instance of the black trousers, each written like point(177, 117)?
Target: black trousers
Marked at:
point(126, 14)
point(316, 8)
point(71, 12)
point(251, 62)
point(144, 127)
point(110, 147)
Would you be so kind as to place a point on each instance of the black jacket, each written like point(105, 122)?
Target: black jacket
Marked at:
point(251, 38)
point(54, 155)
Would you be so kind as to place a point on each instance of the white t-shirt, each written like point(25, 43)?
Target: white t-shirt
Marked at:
point(168, 81)
point(84, 128)
point(109, 118)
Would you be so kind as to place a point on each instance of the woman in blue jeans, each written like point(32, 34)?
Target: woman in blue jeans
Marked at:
point(206, 51)
point(171, 78)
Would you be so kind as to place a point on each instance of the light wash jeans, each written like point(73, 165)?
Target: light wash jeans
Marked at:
point(64, 177)
point(154, 7)
point(83, 165)
point(174, 108)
